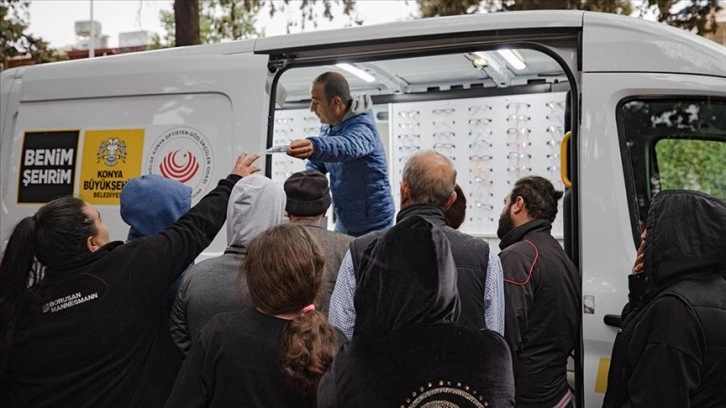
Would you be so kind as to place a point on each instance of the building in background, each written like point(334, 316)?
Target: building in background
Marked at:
point(720, 34)
point(90, 32)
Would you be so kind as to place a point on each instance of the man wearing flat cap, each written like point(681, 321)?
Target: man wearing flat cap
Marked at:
point(308, 199)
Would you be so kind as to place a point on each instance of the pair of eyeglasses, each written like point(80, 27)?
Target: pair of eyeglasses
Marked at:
point(444, 146)
point(412, 114)
point(480, 144)
point(555, 116)
point(408, 125)
point(479, 109)
point(284, 121)
point(478, 220)
point(518, 158)
point(481, 180)
point(480, 121)
point(480, 171)
point(519, 169)
point(554, 129)
point(448, 123)
point(553, 156)
point(409, 148)
point(479, 158)
point(555, 105)
point(553, 143)
point(310, 118)
point(311, 129)
point(518, 133)
point(410, 137)
point(443, 111)
point(519, 145)
point(517, 118)
point(281, 142)
point(446, 134)
point(518, 105)
point(481, 205)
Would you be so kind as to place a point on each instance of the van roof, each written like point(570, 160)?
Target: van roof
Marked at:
point(518, 20)
point(611, 43)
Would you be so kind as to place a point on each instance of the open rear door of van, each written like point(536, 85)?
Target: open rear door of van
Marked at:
point(653, 103)
point(86, 127)
point(455, 85)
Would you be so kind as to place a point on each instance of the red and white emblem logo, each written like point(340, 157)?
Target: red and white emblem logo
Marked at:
point(179, 166)
point(185, 155)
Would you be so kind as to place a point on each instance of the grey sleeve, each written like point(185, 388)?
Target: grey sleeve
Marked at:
point(178, 325)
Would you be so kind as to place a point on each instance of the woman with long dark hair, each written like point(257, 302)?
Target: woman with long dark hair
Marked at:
point(272, 354)
point(80, 316)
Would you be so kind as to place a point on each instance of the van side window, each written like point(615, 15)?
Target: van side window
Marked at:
point(671, 143)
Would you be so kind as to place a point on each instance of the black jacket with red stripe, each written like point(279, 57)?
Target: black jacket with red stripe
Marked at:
point(542, 290)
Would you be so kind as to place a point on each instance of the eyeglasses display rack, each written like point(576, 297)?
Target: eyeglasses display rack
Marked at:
point(493, 142)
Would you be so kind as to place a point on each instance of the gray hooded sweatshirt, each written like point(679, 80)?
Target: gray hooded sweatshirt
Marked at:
point(211, 286)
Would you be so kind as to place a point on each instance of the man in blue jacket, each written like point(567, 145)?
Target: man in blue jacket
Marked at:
point(350, 149)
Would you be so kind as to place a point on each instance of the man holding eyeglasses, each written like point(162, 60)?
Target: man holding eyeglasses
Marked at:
point(350, 149)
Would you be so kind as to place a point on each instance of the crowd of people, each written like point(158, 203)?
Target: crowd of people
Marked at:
point(379, 313)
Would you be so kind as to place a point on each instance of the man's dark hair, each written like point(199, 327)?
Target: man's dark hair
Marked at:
point(456, 214)
point(334, 85)
point(539, 196)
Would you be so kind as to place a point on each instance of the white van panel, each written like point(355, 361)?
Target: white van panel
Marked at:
point(449, 26)
point(607, 246)
point(222, 98)
point(613, 43)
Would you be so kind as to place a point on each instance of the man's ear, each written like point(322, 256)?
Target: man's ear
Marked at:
point(450, 202)
point(404, 192)
point(91, 244)
point(337, 103)
point(518, 205)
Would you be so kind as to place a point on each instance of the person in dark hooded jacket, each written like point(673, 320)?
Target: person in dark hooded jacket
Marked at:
point(411, 353)
point(149, 204)
point(671, 348)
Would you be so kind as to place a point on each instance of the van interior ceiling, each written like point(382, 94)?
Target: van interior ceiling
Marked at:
point(499, 114)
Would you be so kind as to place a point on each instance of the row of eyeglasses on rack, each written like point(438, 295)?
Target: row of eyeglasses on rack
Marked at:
point(479, 140)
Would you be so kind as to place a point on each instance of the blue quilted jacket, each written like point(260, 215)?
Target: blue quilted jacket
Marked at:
point(353, 154)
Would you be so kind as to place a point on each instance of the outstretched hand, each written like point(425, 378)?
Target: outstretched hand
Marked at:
point(243, 166)
point(301, 149)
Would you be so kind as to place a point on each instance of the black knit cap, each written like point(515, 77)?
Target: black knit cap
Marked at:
point(308, 193)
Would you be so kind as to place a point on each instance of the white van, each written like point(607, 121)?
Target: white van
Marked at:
point(496, 92)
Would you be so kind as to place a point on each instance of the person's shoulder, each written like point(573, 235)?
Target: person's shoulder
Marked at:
point(458, 238)
point(521, 248)
point(210, 265)
point(328, 234)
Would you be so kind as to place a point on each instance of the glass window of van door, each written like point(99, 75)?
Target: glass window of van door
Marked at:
point(672, 143)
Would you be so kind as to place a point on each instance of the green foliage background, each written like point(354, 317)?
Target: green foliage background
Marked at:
point(693, 165)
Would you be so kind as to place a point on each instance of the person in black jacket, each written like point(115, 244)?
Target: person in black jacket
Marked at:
point(671, 348)
point(273, 353)
point(427, 190)
point(410, 352)
point(542, 293)
point(80, 316)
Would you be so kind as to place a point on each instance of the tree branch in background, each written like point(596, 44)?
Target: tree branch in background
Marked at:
point(14, 38)
point(697, 16)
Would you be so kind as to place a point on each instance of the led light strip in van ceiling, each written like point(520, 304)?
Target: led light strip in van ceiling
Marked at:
point(513, 59)
point(357, 72)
